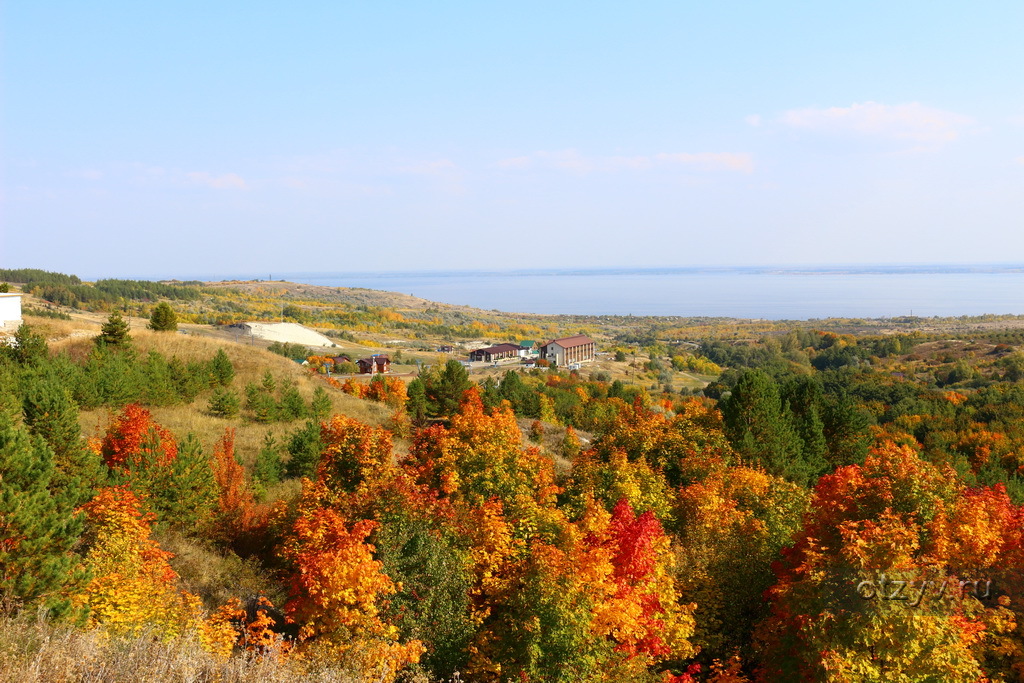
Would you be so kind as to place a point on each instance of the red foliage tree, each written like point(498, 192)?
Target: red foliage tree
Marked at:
point(130, 433)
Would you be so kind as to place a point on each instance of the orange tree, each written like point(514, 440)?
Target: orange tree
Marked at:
point(337, 589)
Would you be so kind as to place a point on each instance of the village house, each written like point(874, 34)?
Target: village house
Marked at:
point(494, 353)
point(527, 348)
point(374, 365)
point(10, 311)
point(567, 350)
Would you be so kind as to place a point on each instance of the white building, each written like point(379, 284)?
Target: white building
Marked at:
point(10, 311)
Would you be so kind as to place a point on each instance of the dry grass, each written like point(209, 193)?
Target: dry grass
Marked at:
point(35, 650)
point(217, 575)
point(58, 331)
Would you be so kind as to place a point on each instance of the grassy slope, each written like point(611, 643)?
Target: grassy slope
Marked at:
point(250, 363)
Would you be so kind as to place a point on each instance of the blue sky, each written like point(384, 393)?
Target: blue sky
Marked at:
point(198, 138)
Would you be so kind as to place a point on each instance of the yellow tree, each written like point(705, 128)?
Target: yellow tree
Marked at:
point(133, 584)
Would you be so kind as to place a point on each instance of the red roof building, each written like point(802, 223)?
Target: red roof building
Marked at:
point(493, 353)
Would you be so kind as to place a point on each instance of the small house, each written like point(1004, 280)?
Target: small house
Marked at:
point(527, 348)
point(374, 365)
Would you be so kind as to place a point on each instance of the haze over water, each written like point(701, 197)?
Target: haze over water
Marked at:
point(772, 293)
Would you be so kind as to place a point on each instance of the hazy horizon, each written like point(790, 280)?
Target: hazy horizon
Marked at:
point(824, 268)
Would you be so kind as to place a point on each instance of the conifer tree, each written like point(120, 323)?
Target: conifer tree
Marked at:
point(224, 403)
point(268, 468)
point(114, 333)
point(163, 318)
point(221, 368)
point(760, 427)
point(445, 389)
point(304, 445)
point(29, 347)
point(50, 413)
point(320, 407)
point(38, 530)
point(417, 403)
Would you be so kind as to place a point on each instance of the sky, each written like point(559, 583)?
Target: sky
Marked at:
point(178, 139)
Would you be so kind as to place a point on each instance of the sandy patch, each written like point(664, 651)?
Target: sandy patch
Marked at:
point(286, 332)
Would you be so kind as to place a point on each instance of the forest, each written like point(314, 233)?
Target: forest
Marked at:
point(832, 507)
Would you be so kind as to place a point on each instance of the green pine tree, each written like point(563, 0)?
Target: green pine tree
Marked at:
point(114, 333)
point(183, 492)
point(305, 446)
point(157, 381)
point(224, 403)
point(760, 427)
point(29, 347)
point(320, 406)
point(163, 318)
point(51, 414)
point(417, 403)
point(38, 530)
point(291, 405)
point(444, 391)
point(260, 403)
point(221, 368)
point(268, 468)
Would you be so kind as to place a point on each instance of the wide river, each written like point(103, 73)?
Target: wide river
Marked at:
point(779, 294)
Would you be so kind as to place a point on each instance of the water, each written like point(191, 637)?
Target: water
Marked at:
point(777, 294)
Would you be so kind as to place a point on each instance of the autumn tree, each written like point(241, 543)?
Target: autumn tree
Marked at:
point(336, 594)
point(354, 455)
point(729, 528)
point(599, 605)
point(237, 513)
point(896, 522)
point(480, 456)
point(133, 585)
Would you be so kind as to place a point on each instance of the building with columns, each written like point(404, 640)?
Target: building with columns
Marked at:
point(567, 350)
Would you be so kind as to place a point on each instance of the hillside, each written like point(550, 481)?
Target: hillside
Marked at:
point(233, 513)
